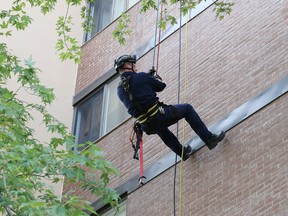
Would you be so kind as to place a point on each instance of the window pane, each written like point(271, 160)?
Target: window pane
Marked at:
point(89, 115)
point(83, 122)
point(96, 14)
point(115, 113)
point(101, 11)
point(106, 13)
point(119, 7)
point(131, 3)
point(97, 105)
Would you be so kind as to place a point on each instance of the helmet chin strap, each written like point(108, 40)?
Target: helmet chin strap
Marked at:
point(133, 67)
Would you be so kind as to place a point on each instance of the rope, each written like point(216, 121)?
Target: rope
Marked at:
point(155, 37)
point(178, 101)
point(136, 137)
point(179, 87)
point(141, 163)
point(153, 67)
point(159, 34)
point(185, 99)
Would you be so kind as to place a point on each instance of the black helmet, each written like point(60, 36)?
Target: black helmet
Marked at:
point(120, 61)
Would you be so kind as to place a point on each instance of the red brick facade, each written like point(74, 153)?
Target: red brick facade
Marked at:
point(229, 62)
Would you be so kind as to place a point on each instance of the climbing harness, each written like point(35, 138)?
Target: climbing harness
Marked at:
point(146, 117)
point(125, 83)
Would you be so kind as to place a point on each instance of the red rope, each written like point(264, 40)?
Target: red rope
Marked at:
point(141, 163)
point(132, 137)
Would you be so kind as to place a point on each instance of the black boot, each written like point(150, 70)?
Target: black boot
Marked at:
point(187, 151)
point(212, 143)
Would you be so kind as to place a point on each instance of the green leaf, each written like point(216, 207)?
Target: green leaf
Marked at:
point(29, 62)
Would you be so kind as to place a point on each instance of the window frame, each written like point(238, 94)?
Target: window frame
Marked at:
point(104, 111)
point(97, 29)
point(78, 119)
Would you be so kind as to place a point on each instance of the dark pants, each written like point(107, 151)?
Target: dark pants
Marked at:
point(160, 123)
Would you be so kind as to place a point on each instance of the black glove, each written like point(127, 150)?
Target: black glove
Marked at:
point(157, 77)
point(152, 71)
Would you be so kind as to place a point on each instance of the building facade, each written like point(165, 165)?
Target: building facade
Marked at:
point(233, 72)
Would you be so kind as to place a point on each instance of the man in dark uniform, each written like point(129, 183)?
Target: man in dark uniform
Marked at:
point(138, 92)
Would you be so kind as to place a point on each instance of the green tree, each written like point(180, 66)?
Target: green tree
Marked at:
point(24, 160)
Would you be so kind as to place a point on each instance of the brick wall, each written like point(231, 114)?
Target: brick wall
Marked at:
point(245, 175)
point(229, 62)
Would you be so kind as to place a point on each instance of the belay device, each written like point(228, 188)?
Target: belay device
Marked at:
point(138, 155)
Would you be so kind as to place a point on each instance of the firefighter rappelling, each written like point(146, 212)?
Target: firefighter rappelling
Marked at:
point(138, 92)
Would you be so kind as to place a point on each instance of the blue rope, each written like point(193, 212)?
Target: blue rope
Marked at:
point(155, 37)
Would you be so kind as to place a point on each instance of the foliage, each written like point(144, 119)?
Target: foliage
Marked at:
point(221, 8)
point(67, 46)
point(122, 29)
point(24, 161)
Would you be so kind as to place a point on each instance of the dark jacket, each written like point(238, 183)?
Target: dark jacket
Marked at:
point(143, 87)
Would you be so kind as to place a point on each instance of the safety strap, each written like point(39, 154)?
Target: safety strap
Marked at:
point(125, 83)
point(136, 137)
point(149, 114)
point(138, 132)
point(145, 115)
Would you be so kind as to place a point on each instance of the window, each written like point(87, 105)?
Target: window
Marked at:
point(104, 12)
point(119, 7)
point(99, 114)
point(89, 118)
point(132, 2)
point(101, 13)
point(115, 111)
